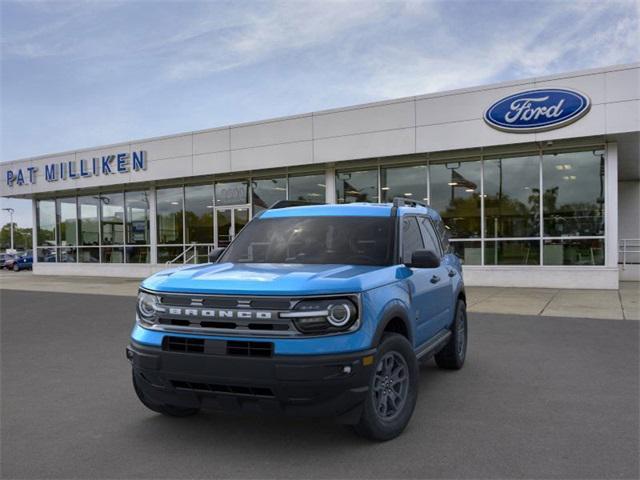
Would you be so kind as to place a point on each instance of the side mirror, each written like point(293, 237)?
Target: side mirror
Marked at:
point(424, 259)
point(215, 254)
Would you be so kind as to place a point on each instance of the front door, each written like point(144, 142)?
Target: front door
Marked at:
point(229, 222)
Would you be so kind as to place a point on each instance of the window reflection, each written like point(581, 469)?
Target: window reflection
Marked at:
point(112, 216)
point(232, 193)
point(46, 218)
point(470, 253)
point(88, 220)
point(267, 191)
point(307, 188)
point(512, 252)
point(169, 206)
point(361, 186)
point(137, 218)
point(455, 194)
point(67, 213)
point(573, 198)
point(198, 213)
point(574, 252)
point(408, 182)
point(512, 197)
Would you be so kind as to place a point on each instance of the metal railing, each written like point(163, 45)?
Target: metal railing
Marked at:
point(190, 250)
point(628, 249)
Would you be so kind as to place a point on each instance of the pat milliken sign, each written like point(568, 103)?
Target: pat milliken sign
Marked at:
point(537, 110)
point(105, 165)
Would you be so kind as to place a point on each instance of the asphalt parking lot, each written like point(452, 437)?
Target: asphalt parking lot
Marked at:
point(539, 397)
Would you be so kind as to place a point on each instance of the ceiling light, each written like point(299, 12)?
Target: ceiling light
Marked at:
point(175, 203)
point(385, 188)
point(567, 166)
point(321, 185)
point(408, 194)
point(452, 184)
point(559, 167)
point(469, 190)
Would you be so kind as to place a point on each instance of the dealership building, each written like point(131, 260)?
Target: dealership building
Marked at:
point(536, 179)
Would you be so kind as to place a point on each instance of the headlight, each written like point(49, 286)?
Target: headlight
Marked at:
point(147, 304)
point(324, 315)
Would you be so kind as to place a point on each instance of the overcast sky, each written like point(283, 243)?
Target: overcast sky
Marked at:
point(81, 74)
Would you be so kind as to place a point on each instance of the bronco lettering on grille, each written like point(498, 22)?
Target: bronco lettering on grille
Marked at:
point(216, 313)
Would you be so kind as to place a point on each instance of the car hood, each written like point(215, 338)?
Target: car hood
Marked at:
point(270, 279)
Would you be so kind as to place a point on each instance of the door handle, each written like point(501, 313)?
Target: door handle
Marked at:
point(452, 273)
point(435, 279)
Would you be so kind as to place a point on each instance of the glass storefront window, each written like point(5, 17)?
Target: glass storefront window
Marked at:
point(88, 226)
point(89, 255)
point(470, 253)
point(166, 254)
point(47, 254)
point(573, 198)
point(267, 191)
point(67, 220)
point(112, 218)
point(67, 254)
point(455, 194)
point(573, 252)
point(512, 252)
point(360, 186)
point(169, 207)
point(137, 254)
point(46, 218)
point(112, 255)
point(408, 182)
point(198, 213)
point(307, 188)
point(232, 193)
point(512, 197)
point(137, 218)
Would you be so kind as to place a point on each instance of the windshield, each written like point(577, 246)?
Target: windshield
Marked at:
point(319, 240)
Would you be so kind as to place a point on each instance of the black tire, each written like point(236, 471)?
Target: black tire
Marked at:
point(452, 356)
point(378, 425)
point(16, 268)
point(169, 410)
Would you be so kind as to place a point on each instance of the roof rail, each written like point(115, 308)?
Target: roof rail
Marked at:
point(407, 202)
point(292, 203)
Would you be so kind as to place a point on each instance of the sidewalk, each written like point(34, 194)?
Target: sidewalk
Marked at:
point(623, 304)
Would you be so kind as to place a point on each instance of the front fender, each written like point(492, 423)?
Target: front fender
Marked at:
point(387, 303)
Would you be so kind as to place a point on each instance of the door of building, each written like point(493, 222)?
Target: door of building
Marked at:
point(229, 221)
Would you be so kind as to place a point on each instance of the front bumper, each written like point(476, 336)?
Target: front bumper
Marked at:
point(323, 385)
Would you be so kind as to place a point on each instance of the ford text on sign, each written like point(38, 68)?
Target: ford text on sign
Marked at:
point(537, 110)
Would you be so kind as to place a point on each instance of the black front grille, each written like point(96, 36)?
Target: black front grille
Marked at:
point(228, 389)
point(181, 344)
point(217, 347)
point(250, 349)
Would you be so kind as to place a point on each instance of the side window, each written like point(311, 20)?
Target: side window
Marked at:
point(411, 238)
point(431, 241)
point(443, 233)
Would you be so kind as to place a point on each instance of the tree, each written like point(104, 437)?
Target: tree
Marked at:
point(21, 237)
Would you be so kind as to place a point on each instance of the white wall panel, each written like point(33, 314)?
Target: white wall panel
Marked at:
point(166, 147)
point(271, 133)
point(212, 141)
point(166, 168)
point(593, 123)
point(378, 144)
point(286, 154)
point(623, 116)
point(209, 163)
point(465, 106)
point(367, 119)
point(592, 85)
point(623, 85)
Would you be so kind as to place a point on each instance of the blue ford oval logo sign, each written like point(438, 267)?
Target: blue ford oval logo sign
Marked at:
point(537, 110)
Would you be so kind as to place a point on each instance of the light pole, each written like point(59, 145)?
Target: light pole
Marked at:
point(11, 212)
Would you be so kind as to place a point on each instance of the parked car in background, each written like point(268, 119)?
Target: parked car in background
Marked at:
point(7, 260)
point(23, 262)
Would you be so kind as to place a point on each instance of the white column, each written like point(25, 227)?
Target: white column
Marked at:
point(330, 184)
point(34, 231)
point(611, 205)
point(153, 233)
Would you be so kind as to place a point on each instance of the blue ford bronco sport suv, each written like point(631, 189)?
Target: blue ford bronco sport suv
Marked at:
point(320, 310)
